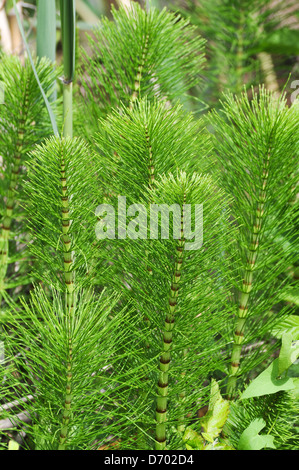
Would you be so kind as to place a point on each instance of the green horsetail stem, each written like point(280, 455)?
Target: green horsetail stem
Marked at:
point(244, 296)
point(138, 77)
point(67, 403)
point(70, 300)
point(151, 172)
point(67, 243)
point(11, 193)
point(151, 167)
point(165, 358)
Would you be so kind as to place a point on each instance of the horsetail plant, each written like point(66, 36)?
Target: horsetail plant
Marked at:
point(242, 38)
point(72, 317)
point(153, 54)
point(257, 145)
point(185, 296)
point(159, 251)
point(23, 122)
point(163, 287)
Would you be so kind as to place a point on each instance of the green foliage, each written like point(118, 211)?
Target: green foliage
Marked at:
point(278, 410)
point(92, 378)
point(135, 146)
point(159, 244)
point(168, 288)
point(239, 33)
point(216, 417)
point(252, 440)
point(23, 123)
point(154, 54)
point(256, 143)
point(261, 406)
point(274, 378)
point(61, 194)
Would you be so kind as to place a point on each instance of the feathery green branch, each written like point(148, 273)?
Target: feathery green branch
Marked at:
point(153, 54)
point(23, 123)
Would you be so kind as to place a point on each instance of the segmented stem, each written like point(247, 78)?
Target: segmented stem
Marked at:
point(165, 358)
point(67, 243)
point(244, 296)
point(70, 300)
point(67, 403)
point(11, 194)
point(139, 73)
point(151, 172)
point(151, 167)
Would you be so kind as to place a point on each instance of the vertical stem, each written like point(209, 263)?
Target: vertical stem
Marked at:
point(67, 403)
point(165, 358)
point(244, 295)
point(151, 175)
point(49, 109)
point(67, 244)
point(68, 108)
point(68, 29)
point(151, 167)
point(70, 300)
point(136, 88)
point(268, 70)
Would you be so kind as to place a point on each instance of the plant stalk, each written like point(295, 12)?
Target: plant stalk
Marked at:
point(244, 294)
point(68, 108)
point(165, 358)
point(70, 301)
point(136, 87)
point(68, 30)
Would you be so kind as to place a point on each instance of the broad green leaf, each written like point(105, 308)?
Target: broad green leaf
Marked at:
point(288, 353)
point(251, 439)
point(217, 415)
point(268, 382)
point(295, 392)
